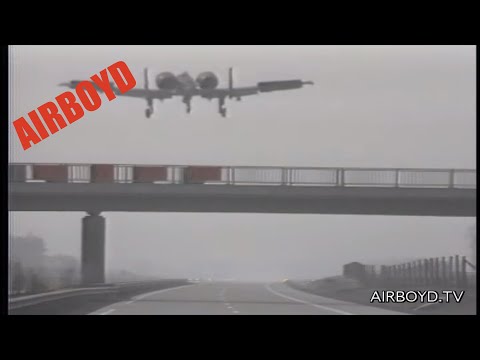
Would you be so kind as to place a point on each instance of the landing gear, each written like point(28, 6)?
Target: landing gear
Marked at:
point(188, 102)
point(221, 107)
point(149, 109)
point(148, 112)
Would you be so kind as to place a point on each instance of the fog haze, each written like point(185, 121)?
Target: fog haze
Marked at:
point(371, 106)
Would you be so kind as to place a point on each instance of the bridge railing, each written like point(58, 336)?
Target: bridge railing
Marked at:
point(243, 175)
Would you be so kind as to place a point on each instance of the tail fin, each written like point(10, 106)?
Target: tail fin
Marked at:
point(145, 78)
point(230, 81)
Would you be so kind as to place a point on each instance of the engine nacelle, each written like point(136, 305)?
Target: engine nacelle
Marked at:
point(207, 80)
point(166, 81)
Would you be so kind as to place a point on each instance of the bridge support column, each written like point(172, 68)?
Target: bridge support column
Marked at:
point(93, 249)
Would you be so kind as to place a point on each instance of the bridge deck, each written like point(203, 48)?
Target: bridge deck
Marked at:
point(142, 197)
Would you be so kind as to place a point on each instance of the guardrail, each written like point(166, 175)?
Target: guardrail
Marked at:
point(85, 300)
point(243, 175)
point(30, 300)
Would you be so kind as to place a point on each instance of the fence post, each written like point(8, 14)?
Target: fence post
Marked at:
point(464, 272)
point(399, 274)
point(382, 274)
point(419, 273)
point(409, 274)
point(450, 271)
point(402, 274)
point(425, 269)
point(432, 271)
point(457, 271)
point(444, 272)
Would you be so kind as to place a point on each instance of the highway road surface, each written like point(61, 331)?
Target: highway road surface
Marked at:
point(230, 298)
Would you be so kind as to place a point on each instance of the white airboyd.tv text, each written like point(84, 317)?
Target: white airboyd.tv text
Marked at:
point(412, 296)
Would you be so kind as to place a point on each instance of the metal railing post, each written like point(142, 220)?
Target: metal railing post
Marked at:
point(340, 177)
point(284, 176)
point(451, 179)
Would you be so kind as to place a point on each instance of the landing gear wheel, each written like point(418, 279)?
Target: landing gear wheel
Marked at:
point(223, 112)
point(148, 113)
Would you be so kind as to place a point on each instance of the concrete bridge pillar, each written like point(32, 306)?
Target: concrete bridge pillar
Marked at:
point(93, 249)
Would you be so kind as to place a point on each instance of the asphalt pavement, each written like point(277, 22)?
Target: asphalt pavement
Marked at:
point(232, 298)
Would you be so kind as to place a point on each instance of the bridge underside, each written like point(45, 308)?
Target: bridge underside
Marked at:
point(242, 199)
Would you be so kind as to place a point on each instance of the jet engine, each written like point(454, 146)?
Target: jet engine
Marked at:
point(166, 81)
point(207, 81)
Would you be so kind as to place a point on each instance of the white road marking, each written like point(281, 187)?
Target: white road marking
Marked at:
point(430, 304)
point(307, 302)
point(236, 312)
point(107, 312)
point(140, 297)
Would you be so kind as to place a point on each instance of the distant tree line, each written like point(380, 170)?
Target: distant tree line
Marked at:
point(32, 271)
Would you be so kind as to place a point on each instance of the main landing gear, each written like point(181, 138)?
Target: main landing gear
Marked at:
point(221, 107)
point(149, 109)
point(188, 102)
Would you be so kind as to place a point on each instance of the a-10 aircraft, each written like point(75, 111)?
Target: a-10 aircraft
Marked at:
point(205, 86)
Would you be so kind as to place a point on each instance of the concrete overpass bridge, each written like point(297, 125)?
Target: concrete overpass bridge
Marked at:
point(95, 188)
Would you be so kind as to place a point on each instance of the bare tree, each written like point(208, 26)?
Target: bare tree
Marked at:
point(18, 278)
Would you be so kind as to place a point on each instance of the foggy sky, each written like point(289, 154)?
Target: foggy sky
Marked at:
point(371, 106)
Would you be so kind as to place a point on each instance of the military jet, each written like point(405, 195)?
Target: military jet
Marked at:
point(205, 85)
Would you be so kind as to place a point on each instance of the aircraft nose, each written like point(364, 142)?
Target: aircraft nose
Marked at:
point(64, 84)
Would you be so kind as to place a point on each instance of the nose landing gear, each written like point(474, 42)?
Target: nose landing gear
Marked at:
point(149, 109)
point(188, 102)
point(148, 112)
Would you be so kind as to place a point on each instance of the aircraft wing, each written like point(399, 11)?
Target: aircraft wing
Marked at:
point(266, 86)
point(224, 93)
point(188, 93)
point(147, 94)
point(136, 92)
